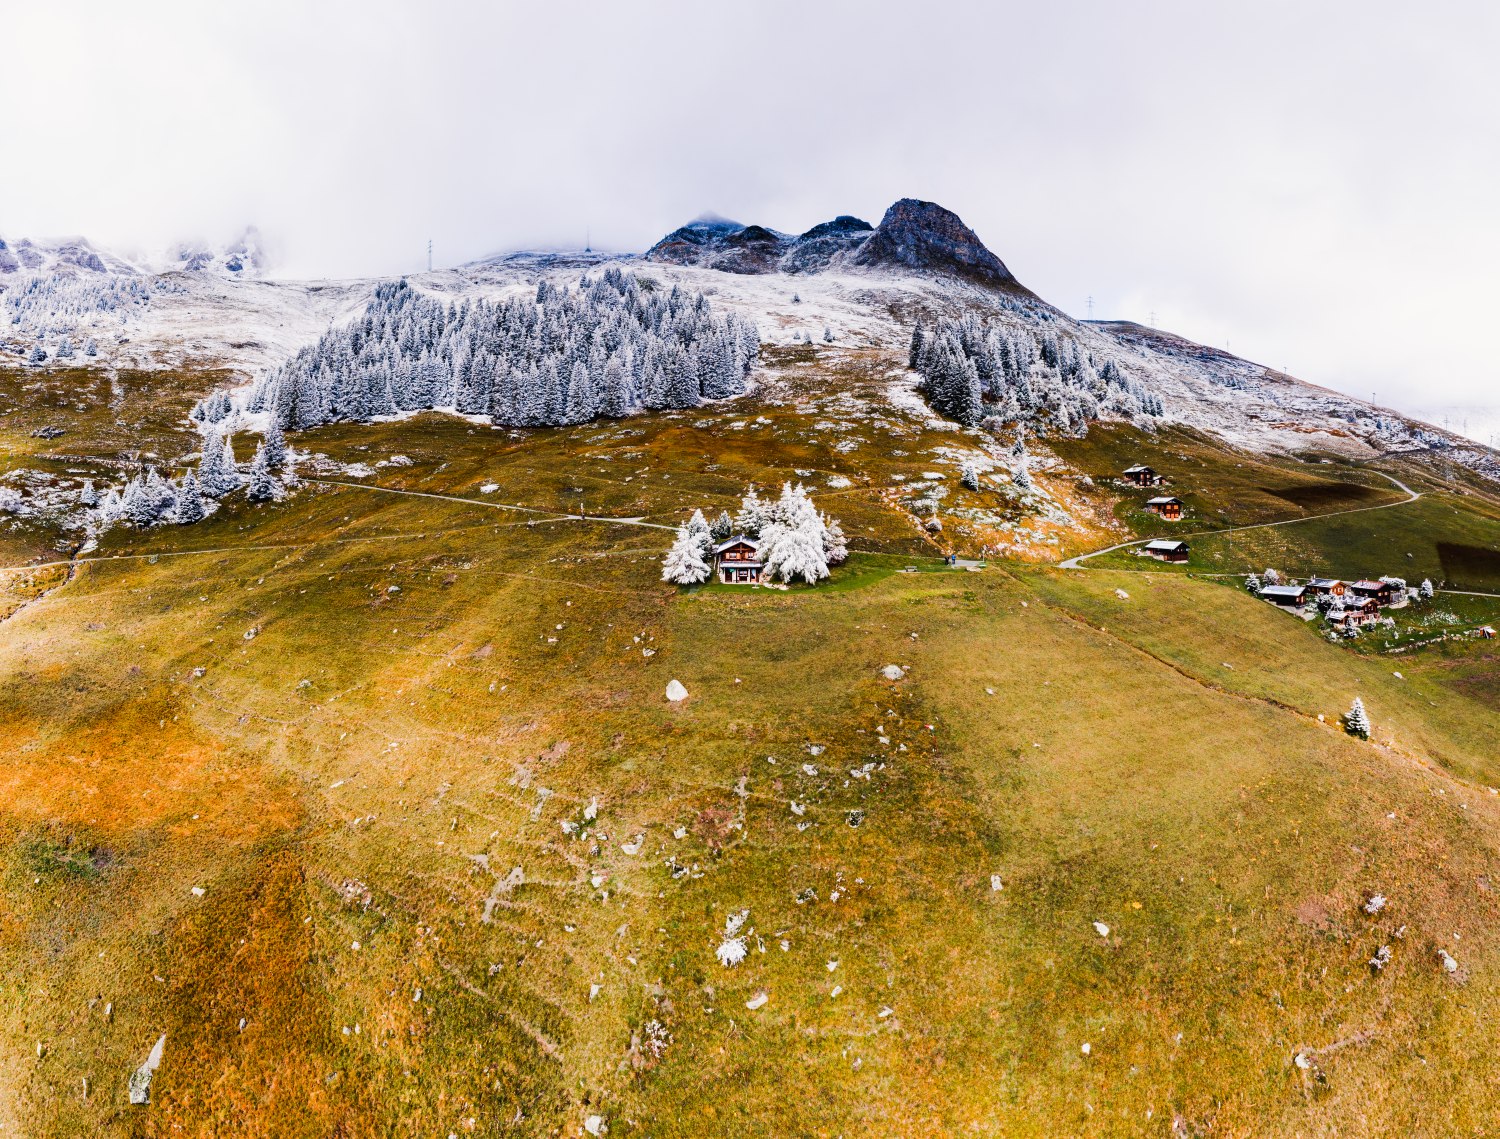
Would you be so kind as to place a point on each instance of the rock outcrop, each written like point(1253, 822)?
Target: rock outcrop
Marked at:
point(914, 236)
point(926, 237)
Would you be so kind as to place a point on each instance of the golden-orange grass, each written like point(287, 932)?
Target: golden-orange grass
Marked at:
point(131, 772)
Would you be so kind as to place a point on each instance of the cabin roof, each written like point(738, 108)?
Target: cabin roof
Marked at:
point(1323, 582)
point(1139, 468)
point(737, 540)
point(1370, 585)
point(1166, 546)
point(1162, 500)
point(1283, 591)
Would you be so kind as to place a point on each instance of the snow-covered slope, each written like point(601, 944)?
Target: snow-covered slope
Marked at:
point(864, 290)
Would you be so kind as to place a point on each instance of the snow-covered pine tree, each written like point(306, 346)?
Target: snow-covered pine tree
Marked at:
point(274, 442)
point(1271, 577)
point(38, 355)
point(794, 548)
point(827, 335)
point(835, 545)
point(722, 527)
point(969, 474)
point(914, 353)
point(261, 487)
point(1425, 590)
point(87, 496)
point(697, 527)
point(65, 349)
point(1252, 582)
point(217, 473)
point(684, 564)
point(190, 507)
point(1357, 720)
point(751, 518)
point(138, 503)
point(90, 348)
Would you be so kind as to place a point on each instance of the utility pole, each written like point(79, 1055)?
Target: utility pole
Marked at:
point(1091, 306)
point(1152, 318)
point(429, 255)
point(588, 243)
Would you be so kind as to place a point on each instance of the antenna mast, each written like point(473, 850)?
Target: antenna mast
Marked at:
point(588, 243)
point(429, 255)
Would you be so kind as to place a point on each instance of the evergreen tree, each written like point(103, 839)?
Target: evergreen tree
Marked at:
point(914, 354)
point(261, 486)
point(752, 515)
point(90, 348)
point(835, 545)
point(1425, 590)
point(217, 473)
point(190, 507)
point(722, 527)
point(827, 335)
point(87, 495)
point(1356, 720)
point(275, 444)
point(139, 503)
point(969, 475)
point(794, 548)
point(698, 527)
point(684, 564)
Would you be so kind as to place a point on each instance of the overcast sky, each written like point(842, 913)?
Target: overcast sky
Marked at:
point(1313, 184)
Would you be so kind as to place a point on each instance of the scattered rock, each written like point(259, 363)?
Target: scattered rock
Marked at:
point(757, 1001)
point(1122, 595)
point(995, 883)
point(893, 672)
point(1374, 904)
point(675, 691)
point(140, 1080)
point(1449, 964)
point(1101, 929)
point(595, 1125)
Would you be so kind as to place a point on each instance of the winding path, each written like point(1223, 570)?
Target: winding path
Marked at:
point(1076, 562)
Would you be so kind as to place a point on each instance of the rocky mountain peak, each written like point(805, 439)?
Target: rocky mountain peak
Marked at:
point(925, 236)
point(913, 236)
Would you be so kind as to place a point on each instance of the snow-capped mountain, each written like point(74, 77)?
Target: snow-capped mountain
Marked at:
point(913, 236)
point(67, 256)
point(843, 284)
point(244, 256)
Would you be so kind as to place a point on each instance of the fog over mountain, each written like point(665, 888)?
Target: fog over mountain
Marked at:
point(1255, 181)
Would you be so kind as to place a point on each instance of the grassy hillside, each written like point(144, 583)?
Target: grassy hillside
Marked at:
point(464, 869)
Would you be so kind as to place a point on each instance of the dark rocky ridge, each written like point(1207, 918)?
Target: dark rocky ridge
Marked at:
point(914, 236)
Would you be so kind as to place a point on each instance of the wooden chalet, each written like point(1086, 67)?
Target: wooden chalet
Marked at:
point(1327, 586)
point(1383, 592)
point(1141, 475)
point(1165, 551)
point(738, 561)
point(1166, 506)
point(1358, 615)
point(1288, 596)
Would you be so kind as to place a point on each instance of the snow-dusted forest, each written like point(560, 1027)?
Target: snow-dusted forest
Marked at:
point(610, 346)
point(972, 371)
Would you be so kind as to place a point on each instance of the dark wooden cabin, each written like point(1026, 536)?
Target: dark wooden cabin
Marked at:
point(1141, 475)
point(1165, 551)
point(1382, 592)
point(1166, 506)
point(739, 561)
